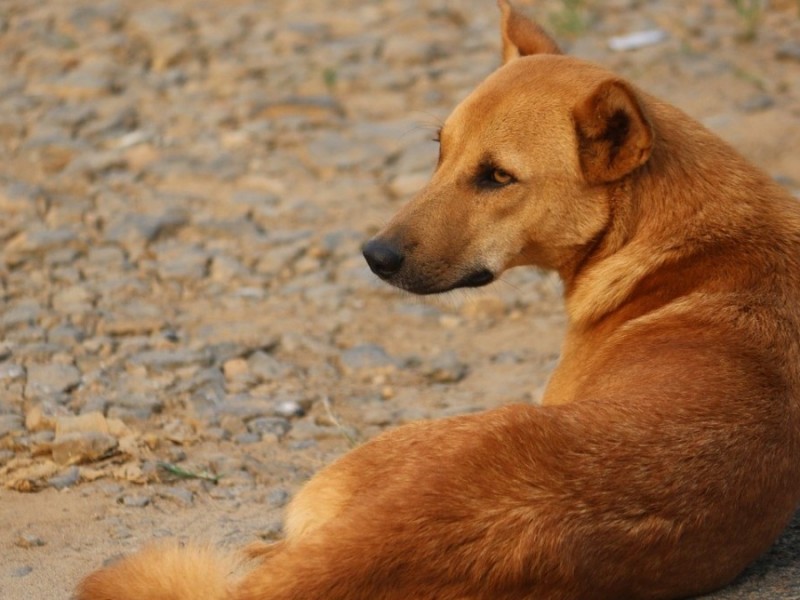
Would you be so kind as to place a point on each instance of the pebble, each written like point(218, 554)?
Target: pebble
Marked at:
point(789, 50)
point(366, 356)
point(269, 425)
point(10, 424)
point(133, 501)
point(180, 496)
point(67, 479)
point(82, 446)
point(171, 359)
point(446, 368)
point(49, 379)
point(29, 540)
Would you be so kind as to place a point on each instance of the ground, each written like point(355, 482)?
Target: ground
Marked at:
point(188, 329)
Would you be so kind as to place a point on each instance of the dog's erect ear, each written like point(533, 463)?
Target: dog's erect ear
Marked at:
point(521, 36)
point(614, 134)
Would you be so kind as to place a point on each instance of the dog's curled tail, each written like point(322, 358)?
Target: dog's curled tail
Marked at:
point(165, 571)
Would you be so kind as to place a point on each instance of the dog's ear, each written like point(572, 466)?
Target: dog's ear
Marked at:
point(614, 134)
point(521, 36)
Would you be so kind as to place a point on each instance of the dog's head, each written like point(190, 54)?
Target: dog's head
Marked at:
point(525, 166)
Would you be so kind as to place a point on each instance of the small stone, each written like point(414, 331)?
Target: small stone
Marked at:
point(171, 359)
point(446, 368)
point(80, 447)
point(90, 421)
point(134, 501)
point(277, 497)
point(180, 496)
point(9, 424)
point(247, 438)
point(37, 241)
point(29, 540)
point(22, 313)
point(53, 151)
point(135, 317)
point(757, 103)
point(789, 51)
point(183, 263)
point(235, 368)
point(36, 419)
point(47, 380)
point(66, 479)
point(366, 356)
point(289, 408)
point(274, 425)
point(267, 367)
point(22, 571)
point(10, 372)
point(137, 228)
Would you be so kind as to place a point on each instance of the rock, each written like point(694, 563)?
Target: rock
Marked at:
point(267, 367)
point(66, 335)
point(171, 359)
point(37, 419)
point(178, 495)
point(288, 408)
point(133, 501)
point(177, 261)
point(26, 312)
point(29, 540)
point(81, 447)
point(366, 356)
point(135, 317)
point(10, 424)
point(637, 40)
point(336, 151)
point(73, 300)
point(789, 50)
point(36, 242)
point(247, 438)
point(757, 102)
point(446, 368)
point(87, 422)
point(269, 425)
point(53, 151)
point(235, 367)
point(46, 380)
point(137, 228)
point(66, 479)
point(22, 571)
point(277, 498)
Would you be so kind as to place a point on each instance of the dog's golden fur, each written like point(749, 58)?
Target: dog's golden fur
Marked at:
point(666, 455)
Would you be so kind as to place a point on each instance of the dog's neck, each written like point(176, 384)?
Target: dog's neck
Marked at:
point(677, 206)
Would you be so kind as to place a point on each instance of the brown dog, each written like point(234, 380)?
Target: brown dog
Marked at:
point(666, 456)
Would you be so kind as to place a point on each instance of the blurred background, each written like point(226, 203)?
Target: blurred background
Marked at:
point(188, 330)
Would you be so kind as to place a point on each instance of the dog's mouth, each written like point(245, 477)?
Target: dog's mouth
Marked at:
point(424, 286)
point(388, 262)
point(477, 278)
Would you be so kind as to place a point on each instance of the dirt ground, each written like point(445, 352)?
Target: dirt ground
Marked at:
point(188, 329)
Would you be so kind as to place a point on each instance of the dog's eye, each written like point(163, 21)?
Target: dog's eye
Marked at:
point(501, 177)
point(491, 177)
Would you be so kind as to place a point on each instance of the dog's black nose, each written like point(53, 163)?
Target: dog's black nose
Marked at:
point(383, 258)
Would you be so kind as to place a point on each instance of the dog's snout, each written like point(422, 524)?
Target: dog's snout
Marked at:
point(382, 257)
